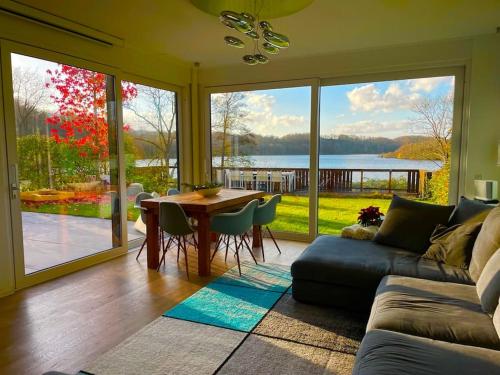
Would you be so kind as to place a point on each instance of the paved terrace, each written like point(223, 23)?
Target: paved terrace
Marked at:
point(51, 239)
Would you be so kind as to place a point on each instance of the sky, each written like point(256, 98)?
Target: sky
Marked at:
point(376, 109)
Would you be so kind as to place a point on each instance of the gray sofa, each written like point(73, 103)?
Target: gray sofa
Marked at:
point(425, 317)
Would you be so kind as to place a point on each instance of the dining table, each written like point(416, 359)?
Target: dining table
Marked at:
point(202, 209)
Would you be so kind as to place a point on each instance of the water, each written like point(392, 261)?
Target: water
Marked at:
point(364, 161)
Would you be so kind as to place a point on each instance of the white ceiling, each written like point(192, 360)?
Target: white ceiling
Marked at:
point(177, 28)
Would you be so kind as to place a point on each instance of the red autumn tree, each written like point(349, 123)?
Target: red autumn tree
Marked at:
point(81, 119)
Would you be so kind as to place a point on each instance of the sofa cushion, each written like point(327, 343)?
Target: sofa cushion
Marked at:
point(487, 242)
point(385, 352)
point(488, 285)
point(469, 210)
point(362, 264)
point(496, 318)
point(409, 224)
point(453, 245)
point(441, 311)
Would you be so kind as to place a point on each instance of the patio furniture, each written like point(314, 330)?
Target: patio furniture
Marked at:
point(277, 177)
point(202, 209)
point(174, 222)
point(264, 215)
point(262, 179)
point(235, 177)
point(138, 199)
point(248, 179)
point(134, 188)
point(235, 224)
point(173, 191)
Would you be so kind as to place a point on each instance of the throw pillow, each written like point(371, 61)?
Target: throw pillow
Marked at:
point(409, 224)
point(453, 245)
point(488, 285)
point(469, 210)
point(487, 242)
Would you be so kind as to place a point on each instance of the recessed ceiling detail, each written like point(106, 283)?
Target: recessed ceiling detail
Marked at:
point(267, 9)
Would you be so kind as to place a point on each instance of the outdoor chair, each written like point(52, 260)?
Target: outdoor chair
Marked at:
point(138, 199)
point(248, 179)
point(277, 178)
point(173, 191)
point(262, 179)
point(235, 177)
point(235, 225)
point(263, 216)
point(175, 223)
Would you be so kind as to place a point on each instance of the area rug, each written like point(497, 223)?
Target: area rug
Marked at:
point(241, 325)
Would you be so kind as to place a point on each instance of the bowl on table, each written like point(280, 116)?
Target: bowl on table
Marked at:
point(209, 192)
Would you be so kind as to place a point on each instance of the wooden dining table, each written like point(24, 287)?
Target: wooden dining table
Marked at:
point(202, 209)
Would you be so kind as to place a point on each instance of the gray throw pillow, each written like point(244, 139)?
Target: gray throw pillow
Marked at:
point(453, 245)
point(469, 210)
point(487, 242)
point(409, 224)
point(488, 285)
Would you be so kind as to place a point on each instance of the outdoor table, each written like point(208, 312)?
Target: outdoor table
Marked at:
point(202, 209)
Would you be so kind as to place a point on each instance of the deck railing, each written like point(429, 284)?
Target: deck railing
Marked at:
point(410, 181)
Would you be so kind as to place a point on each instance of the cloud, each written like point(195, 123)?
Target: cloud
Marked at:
point(368, 98)
point(263, 120)
point(370, 128)
point(428, 84)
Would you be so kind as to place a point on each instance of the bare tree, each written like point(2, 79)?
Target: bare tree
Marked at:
point(156, 108)
point(228, 124)
point(30, 96)
point(434, 118)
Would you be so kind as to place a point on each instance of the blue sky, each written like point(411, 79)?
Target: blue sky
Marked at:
point(363, 109)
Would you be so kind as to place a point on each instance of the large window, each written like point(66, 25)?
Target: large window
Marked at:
point(63, 155)
point(150, 138)
point(260, 140)
point(381, 138)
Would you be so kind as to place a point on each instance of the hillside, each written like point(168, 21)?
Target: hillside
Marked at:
point(421, 150)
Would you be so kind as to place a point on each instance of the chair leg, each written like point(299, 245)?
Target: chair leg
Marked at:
point(262, 244)
point(219, 240)
point(237, 254)
point(178, 247)
point(186, 257)
point(272, 237)
point(227, 248)
point(142, 247)
point(165, 249)
point(249, 249)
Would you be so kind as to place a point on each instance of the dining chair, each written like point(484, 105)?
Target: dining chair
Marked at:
point(277, 178)
point(235, 176)
point(137, 204)
point(262, 178)
point(264, 215)
point(248, 179)
point(235, 225)
point(173, 191)
point(175, 223)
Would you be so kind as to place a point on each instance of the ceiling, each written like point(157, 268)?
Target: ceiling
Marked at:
point(179, 29)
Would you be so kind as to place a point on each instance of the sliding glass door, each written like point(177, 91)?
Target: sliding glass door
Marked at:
point(260, 140)
point(61, 129)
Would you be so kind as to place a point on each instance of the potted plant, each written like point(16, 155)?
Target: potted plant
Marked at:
point(207, 189)
point(370, 216)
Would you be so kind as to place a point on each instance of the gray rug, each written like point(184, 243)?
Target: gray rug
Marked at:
point(323, 327)
point(169, 346)
point(265, 355)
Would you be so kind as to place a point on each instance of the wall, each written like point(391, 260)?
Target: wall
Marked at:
point(154, 67)
point(480, 55)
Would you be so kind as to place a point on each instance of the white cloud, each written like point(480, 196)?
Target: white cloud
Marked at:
point(370, 128)
point(262, 119)
point(428, 84)
point(368, 98)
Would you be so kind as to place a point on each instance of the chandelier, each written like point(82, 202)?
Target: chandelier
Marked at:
point(260, 34)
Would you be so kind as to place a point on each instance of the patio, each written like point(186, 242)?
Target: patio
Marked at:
point(51, 239)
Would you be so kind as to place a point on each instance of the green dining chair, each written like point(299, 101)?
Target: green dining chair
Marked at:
point(235, 225)
point(263, 216)
point(138, 199)
point(175, 223)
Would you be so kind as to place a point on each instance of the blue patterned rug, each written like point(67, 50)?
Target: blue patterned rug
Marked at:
point(233, 301)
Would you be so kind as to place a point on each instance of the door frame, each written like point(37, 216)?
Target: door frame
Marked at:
point(206, 157)
point(22, 280)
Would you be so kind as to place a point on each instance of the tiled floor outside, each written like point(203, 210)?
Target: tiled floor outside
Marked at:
point(51, 239)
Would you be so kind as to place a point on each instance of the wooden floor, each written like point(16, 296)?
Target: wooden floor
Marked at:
point(67, 323)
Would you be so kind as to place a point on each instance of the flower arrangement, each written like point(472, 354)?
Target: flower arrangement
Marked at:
point(370, 216)
point(206, 185)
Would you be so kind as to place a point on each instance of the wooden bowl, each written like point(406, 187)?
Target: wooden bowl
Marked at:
point(209, 192)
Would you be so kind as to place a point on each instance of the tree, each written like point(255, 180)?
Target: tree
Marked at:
point(229, 128)
point(434, 118)
point(81, 120)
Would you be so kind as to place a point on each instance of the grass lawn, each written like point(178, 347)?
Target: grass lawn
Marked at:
point(293, 212)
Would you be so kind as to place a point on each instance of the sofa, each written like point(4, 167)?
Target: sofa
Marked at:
point(425, 316)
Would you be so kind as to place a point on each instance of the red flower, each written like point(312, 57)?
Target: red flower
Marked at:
point(370, 216)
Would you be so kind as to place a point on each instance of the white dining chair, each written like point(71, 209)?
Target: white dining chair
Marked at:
point(277, 178)
point(235, 178)
point(262, 178)
point(248, 179)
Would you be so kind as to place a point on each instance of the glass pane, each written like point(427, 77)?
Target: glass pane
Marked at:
point(260, 140)
point(67, 159)
point(150, 134)
point(381, 138)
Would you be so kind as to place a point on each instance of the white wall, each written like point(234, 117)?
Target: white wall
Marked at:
point(480, 55)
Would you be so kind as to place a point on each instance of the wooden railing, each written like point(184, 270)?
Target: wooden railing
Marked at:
point(351, 180)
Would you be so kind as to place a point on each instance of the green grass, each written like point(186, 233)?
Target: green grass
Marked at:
point(292, 216)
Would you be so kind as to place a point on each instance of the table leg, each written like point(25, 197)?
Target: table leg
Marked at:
point(256, 236)
point(203, 245)
point(153, 250)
